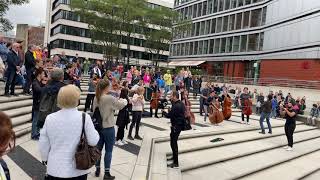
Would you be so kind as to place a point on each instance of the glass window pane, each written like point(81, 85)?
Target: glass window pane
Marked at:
point(229, 44)
point(256, 18)
point(261, 41)
point(236, 43)
point(195, 10)
point(238, 20)
point(225, 23)
point(221, 4)
point(213, 26)
point(216, 45)
point(246, 16)
point(264, 16)
point(205, 47)
point(233, 4)
point(199, 9)
point(197, 28)
point(247, 2)
point(191, 48)
point(211, 46)
point(204, 8)
point(223, 45)
point(253, 42)
point(215, 6)
point(200, 47)
point(231, 22)
point(240, 3)
point(208, 25)
point(193, 29)
point(210, 6)
point(219, 25)
point(202, 28)
point(196, 48)
point(226, 4)
point(243, 43)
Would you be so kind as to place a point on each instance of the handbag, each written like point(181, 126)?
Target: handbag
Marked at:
point(85, 156)
point(97, 119)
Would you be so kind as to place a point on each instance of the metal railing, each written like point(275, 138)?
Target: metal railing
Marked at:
point(265, 82)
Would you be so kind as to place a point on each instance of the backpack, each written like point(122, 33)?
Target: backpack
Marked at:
point(48, 105)
point(97, 119)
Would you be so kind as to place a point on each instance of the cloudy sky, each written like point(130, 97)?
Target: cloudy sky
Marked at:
point(33, 13)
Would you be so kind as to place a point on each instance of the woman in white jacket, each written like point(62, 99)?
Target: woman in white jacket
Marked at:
point(60, 136)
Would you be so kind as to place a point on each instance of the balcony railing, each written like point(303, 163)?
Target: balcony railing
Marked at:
point(265, 82)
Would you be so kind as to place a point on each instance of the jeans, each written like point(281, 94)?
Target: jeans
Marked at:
point(11, 82)
point(174, 136)
point(107, 138)
point(120, 133)
point(311, 120)
point(136, 119)
point(35, 131)
point(267, 117)
point(89, 102)
point(274, 113)
point(289, 130)
point(166, 90)
point(205, 109)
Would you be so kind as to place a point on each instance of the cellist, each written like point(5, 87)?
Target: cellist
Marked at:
point(245, 103)
point(155, 97)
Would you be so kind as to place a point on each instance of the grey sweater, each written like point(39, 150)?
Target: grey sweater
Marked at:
point(107, 105)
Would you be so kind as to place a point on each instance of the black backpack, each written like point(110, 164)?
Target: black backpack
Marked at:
point(48, 105)
point(97, 119)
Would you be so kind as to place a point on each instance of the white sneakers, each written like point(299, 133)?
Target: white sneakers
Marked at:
point(287, 148)
point(121, 143)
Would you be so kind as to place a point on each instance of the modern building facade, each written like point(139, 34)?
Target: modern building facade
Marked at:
point(66, 32)
point(251, 38)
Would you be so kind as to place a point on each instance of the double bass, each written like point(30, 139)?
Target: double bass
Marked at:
point(227, 111)
point(215, 115)
point(155, 97)
point(247, 110)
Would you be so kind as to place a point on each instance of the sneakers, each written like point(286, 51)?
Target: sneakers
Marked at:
point(107, 176)
point(286, 147)
point(130, 138)
point(248, 123)
point(242, 122)
point(289, 149)
point(119, 143)
point(261, 132)
point(124, 142)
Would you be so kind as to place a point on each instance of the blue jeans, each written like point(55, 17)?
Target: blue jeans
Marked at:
point(167, 89)
point(267, 117)
point(35, 132)
point(274, 113)
point(107, 138)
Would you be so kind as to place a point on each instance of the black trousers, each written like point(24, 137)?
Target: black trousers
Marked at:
point(174, 136)
point(242, 116)
point(29, 80)
point(83, 177)
point(289, 130)
point(89, 102)
point(120, 133)
point(136, 119)
point(11, 82)
point(151, 112)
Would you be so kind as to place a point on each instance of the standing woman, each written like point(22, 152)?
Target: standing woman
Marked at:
point(137, 109)
point(107, 104)
point(123, 118)
point(290, 126)
point(7, 142)
point(147, 79)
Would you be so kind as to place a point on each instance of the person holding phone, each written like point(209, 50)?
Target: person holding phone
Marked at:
point(290, 116)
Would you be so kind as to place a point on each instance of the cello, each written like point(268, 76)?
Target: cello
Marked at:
point(215, 115)
point(247, 110)
point(227, 103)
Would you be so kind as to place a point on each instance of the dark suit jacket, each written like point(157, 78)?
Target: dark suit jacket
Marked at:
point(13, 61)
point(30, 62)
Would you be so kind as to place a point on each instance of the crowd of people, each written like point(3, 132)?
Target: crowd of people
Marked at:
point(54, 84)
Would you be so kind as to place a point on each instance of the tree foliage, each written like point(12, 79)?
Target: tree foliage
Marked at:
point(5, 24)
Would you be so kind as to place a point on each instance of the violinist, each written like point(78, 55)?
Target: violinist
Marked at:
point(155, 97)
point(91, 92)
point(245, 103)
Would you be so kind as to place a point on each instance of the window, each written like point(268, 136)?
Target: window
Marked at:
point(191, 48)
point(208, 25)
point(253, 44)
point(196, 50)
point(200, 47)
point(216, 46)
point(202, 28)
point(210, 3)
point(204, 8)
point(213, 26)
point(190, 12)
point(261, 41)
point(231, 22)
point(223, 45)
point(215, 6)
point(183, 49)
point(205, 47)
point(221, 3)
point(229, 45)
point(193, 29)
point(243, 41)
point(238, 20)
point(240, 3)
point(195, 10)
point(225, 23)
point(226, 4)
point(255, 18)
point(199, 9)
point(247, 2)
point(249, 69)
point(233, 4)
point(236, 43)
point(211, 46)
point(219, 25)
point(187, 48)
point(264, 16)
point(197, 29)
point(246, 16)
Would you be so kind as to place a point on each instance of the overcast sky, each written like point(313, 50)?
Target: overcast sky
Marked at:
point(33, 13)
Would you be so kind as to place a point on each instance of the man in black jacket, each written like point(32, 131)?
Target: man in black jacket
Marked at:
point(30, 65)
point(177, 119)
point(13, 61)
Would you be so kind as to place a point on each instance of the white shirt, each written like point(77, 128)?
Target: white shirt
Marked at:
point(59, 139)
point(2, 174)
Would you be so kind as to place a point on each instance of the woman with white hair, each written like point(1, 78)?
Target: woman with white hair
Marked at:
point(60, 136)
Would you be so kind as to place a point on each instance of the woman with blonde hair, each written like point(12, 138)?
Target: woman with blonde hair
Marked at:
point(60, 136)
point(107, 104)
point(137, 109)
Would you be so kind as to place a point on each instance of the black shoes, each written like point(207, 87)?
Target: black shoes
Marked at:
point(130, 138)
point(270, 132)
point(173, 165)
point(262, 132)
point(97, 173)
point(6, 95)
point(107, 176)
point(138, 137)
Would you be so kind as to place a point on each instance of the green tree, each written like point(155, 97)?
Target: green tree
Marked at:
point(5, 24)
point(165, 22)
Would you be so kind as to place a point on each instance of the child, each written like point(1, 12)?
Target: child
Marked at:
point(314, 114)
point(137, 109)
point(123, 118)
